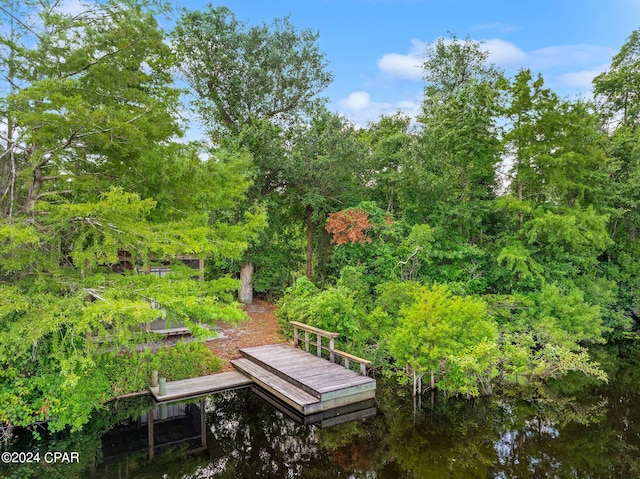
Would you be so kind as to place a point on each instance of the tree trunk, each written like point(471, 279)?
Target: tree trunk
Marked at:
point(245, 295)
point(415, 381)
point(34, 190)
point(520, 218)
point(310, 234)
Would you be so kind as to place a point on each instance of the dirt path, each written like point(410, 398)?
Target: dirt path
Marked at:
point(261, 328)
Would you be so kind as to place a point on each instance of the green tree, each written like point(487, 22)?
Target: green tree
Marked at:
point(321, 173)
point(254, 85)
point(387, 144)
point(616, 94)
point(458, 142)
point(244, 74)
point(554, 145)
point(87, 93)
point(449, 177)
point(450, 337)
point(91, 113)
point(618, 87)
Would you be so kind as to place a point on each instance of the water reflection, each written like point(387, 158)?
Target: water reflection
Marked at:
point(570, 429)
point(165, 426)
point(233, 434)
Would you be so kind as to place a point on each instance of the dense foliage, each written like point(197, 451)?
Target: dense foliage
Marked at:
point(489, 241)
point(91, 173)
point(496, 239)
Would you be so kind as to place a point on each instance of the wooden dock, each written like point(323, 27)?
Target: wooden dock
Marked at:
point(189, 388)
point(307, 383)
point(304, 382)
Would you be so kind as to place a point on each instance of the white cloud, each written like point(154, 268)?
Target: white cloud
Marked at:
point(507, 55)
point(356, 101)
point(567, 55)
point(581, 79)
point(404, 66)
point(360, 109)
point(504, 53)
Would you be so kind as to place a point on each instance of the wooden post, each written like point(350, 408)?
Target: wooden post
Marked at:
point(319, 345)
point(154, 378)
point(363, 369)
point(332, 343)
point(203, 425)
point(306, 341)
point(150, 433)
point(296, 339)
point(162, 387)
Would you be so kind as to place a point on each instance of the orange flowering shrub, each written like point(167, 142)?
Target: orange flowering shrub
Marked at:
point(349, 226)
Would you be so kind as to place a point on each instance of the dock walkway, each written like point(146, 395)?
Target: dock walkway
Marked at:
point(188, 388)
point(305, 382)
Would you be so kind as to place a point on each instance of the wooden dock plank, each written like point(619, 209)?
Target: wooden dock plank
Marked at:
point(316, 375)
point(200, 386)
point(307, 383)
point(281, 388)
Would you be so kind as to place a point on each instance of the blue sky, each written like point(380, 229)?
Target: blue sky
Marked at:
point(373, 46)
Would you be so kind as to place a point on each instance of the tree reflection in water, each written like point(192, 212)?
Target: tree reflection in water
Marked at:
point(568, 429)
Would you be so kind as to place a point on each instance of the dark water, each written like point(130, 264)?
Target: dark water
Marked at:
point(569, 429)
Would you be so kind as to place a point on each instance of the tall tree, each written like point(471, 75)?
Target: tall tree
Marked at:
point(91, 87)
point(89, 114)
point(554, 146)
point(552, 210)
point(451, 176)
point(321, 172)
point(242, 74)
point(619, 86)
point(253, 86)
point(616, 93)
point(388, 141)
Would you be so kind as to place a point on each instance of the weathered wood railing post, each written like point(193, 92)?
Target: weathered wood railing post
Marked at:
point(162, 387)
point(332, 343)
point(347, 359)
point(321, 333)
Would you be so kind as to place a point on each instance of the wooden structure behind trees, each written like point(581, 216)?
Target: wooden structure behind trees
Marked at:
point(162, 268)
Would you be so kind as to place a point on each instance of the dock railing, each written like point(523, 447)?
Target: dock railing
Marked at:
point(320, 334)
